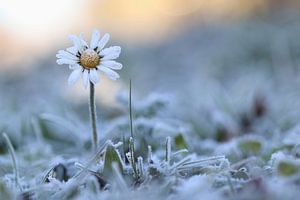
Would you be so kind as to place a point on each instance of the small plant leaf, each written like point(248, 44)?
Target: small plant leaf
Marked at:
point(250, 146)
point(287, 168)
point(180, 142)
point(111, 156)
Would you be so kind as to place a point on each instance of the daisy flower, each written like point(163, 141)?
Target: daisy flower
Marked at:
point(87, 60)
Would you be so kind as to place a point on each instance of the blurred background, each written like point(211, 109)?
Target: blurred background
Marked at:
point(220, 77)
point(220, 57)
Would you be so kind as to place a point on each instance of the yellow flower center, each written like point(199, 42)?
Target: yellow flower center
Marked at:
point(89, 59)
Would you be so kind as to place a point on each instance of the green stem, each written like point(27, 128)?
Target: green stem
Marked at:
point(93, 115)
point(130, 110)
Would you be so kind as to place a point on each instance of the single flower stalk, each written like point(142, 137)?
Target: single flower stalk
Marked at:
point(87, 61)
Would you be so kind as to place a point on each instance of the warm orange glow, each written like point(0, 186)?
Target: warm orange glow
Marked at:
point(152, 20)
point(36, 18)
point(28, 28)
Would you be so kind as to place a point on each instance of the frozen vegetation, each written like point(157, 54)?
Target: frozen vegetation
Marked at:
point(216, 115)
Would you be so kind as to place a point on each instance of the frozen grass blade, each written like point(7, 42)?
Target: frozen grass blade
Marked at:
point(131, 139)
point(130, 109)
point(215, 158)
point(124, 146)
point(168, 150)
point(141, 166)
point(132, 161)
point(149, 155)
point(92, 160)
point(181, 162)
point(199, 163)
point(179, 152)
point(13, 158)
point(47, 175)
point(79, 166)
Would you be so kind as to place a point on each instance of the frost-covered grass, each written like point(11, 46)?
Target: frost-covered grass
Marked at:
point(220, 121)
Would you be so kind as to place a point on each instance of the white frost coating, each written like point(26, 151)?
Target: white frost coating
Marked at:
point(168, 150)
point(150, 154)
point(197, 187)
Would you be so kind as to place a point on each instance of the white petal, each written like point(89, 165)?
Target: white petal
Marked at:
point(85, 78)
point(76, 66)
point(110, 50)
point(110, 57)
point(103, 41)
point(73, 50)
point(83, 42)
point(110, 73)
point(65, 54)
point(74, 76)
point(77, 42)
point(94, 77)
point(112, 64)
point(66, 61)
point(95, 39)
point(110, 53)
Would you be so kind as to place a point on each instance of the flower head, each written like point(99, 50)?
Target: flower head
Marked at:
point(87, 60)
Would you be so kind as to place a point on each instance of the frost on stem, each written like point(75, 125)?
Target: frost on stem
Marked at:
point(131, 157)
point(141, 166)
point(150, 160)
point(93, 115)
point(168, 150)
